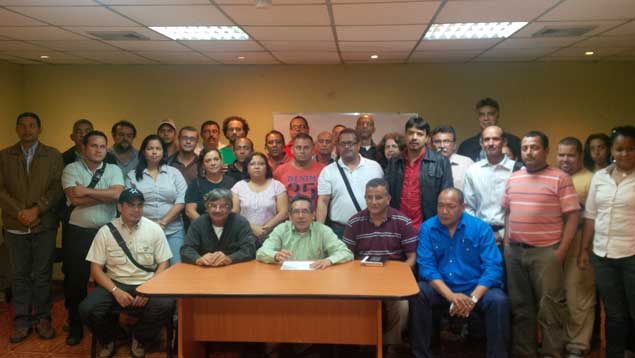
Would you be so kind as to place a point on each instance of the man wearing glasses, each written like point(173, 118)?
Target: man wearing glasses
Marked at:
point(297, 125)
point(444, 142)
point(221, 237)
point(303, 238)
point(185, 160)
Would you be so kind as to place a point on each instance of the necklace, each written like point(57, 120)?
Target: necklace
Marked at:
point(621, 173)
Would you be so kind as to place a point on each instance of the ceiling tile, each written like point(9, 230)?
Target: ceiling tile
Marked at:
point(212, 46)
point(148, 45)
point(443, 56)
point(568, 59)
point(380, 33)
point(299, 45)
point(441, 45)
point(189, 57)
point(46, 2)
point(278, 15)
point(286, 33)
point(383, 56)
point(74, 15)
point(591, 10)
point(308, 57)
point(492, 10)
point(626, 29)
point(505, 59)
point(154, 2)
point(537, 42)
point(579, 52)
point(8, 18)
point(84, 30)
point(17, 60)
point(250, 58)
point(114, 57)
point(407, 13)
point(628, 53)
point(38, 33)
point(368, 1)
point(276, 2)
point(81, 45)
point(54, 57)
point(377, 46)
point(620, 59)
point(164, 15)
point(532, 28)
point(518, 52)
point(607, 41)
point(18, 46)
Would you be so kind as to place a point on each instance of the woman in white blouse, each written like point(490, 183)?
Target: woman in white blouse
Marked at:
point(260, 198)
point(164, 190)
point(609, 218)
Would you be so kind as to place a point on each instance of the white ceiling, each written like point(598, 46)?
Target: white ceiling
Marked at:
point(310, 31)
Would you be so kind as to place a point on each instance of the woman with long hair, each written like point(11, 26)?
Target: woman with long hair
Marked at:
point(260, 198)
point(597, 152)
point(164, 190)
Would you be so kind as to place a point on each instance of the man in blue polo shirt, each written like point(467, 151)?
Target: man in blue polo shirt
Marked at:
point(460, 268)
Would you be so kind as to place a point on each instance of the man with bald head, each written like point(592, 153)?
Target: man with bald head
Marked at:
point(461, 270)
point(365, 127)
point(324, 150)
point(484, 183)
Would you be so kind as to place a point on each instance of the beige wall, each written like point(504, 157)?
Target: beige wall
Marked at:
point(11, 100)
point(559, 98)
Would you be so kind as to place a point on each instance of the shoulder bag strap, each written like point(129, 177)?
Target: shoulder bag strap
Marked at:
point(93, 182)
point(115, 233)
point(348, 187)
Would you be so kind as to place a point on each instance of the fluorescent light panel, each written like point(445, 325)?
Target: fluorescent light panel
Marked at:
point(473, 30)
point(221, 33)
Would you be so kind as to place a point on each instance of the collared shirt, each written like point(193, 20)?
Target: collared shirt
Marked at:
point(190, 171)
point(146, 242)
point(613, 209)
point(331, 183)
point(410, 203)
point(459, 165)
point(28, 155)
point(392, 239)
point(582, 183)
point(462, 262)
point(161, 194)
point(484, 188)
point(276, 164)
point(537, 202)
point(128, 166)
point(94, 216)
point(319, 242)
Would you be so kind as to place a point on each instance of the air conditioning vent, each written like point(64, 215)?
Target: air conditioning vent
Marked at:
point(568, 31)
point(118, 35)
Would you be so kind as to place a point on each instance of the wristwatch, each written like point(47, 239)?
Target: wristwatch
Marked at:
point(474, 299)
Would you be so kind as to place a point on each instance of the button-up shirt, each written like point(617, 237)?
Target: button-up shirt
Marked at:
point(28, 155)
point(613, 209)
point(462, 262)
point(129, 165)
point(319, 242)
point(410, 203)
point(161, 194)
point(484, 188)
point(190, 171)
point(459, 164)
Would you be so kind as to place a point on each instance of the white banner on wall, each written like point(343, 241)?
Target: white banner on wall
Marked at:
point(324, 121)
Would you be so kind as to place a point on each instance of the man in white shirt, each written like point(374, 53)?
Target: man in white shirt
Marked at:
point(334, 197)
point(485, 181)
point(444, 142)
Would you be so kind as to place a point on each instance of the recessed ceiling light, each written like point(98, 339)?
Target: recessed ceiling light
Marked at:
point(473, 30)
point(202, 32)
point(241, 57)
point(44, 57)
point(589, 53)
point(374, 57)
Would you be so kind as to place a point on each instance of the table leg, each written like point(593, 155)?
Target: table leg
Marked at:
point(380, 346)
point(188, 347)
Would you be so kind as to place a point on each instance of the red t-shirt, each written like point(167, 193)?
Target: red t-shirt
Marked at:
point(410, 203)
point(299, 181)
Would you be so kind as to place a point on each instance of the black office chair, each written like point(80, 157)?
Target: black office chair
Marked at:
point(169, 328)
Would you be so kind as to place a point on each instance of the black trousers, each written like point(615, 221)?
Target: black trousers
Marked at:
point(77, 242)
point(97, 310)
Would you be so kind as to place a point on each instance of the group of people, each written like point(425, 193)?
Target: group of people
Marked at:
point(488, 227)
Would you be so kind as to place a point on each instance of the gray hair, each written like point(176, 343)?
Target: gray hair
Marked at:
point(373, 183)
point(219, 194)
point(458, 192)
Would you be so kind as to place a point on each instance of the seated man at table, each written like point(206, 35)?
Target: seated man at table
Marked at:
point(221, 237)
point(380, 230)
point(461, 268)
point(116, 288)
point(303, 238)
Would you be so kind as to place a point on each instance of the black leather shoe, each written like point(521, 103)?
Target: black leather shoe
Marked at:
point(73, 340)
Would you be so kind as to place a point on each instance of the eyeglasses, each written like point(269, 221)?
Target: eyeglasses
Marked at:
point(217, 206)
point(297, 127)
point(445, 141)
point(189, 139)
point(347, 144)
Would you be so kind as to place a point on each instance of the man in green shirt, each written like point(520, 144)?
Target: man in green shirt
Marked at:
point(303, 238)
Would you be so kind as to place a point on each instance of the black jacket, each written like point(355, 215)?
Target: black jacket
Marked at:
point(471, 147)
point(434, 176)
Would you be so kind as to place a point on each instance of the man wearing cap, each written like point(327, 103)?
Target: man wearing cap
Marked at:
point(167, 132)
point(126, 156)
point(144, 241)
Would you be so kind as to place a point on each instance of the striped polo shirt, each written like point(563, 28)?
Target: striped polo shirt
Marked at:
point(392, 239)
point(536, 202)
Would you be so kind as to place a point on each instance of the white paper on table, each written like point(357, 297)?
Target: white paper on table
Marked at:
point(297, 265)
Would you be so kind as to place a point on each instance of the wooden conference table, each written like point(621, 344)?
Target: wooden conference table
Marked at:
point(257, 302)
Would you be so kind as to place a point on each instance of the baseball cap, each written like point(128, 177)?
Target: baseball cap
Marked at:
point(129, 195)
point(169, 122)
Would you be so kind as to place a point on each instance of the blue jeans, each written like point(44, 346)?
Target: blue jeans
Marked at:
point(175, 241)
point(494, 305)
point(615, 280)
